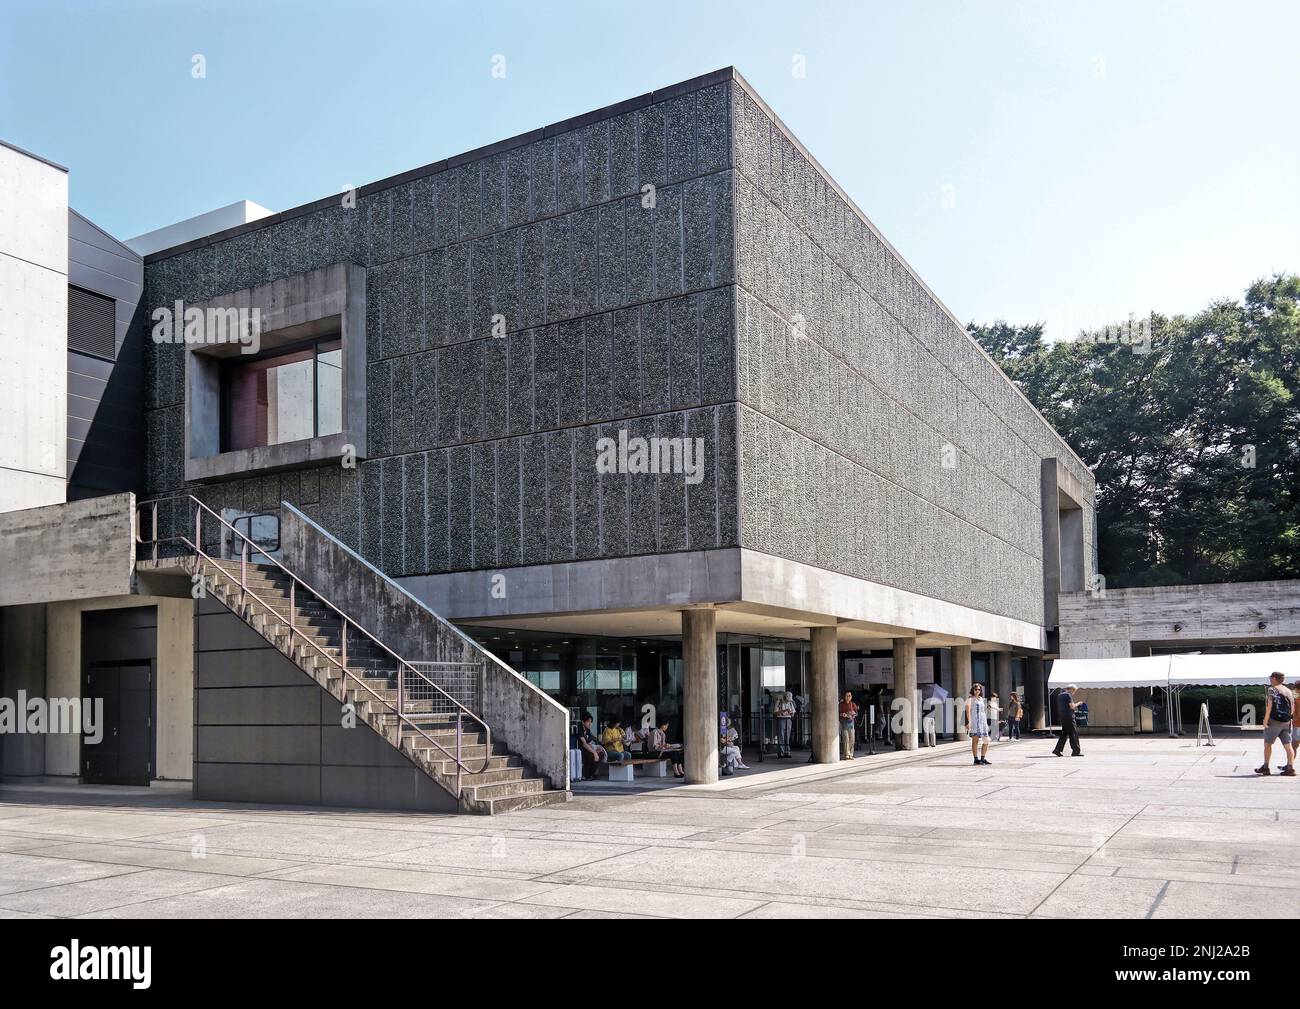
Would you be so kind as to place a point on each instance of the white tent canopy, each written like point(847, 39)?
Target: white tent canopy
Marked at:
point(1145, 671)
point(1240, 669)
point(1246, 669)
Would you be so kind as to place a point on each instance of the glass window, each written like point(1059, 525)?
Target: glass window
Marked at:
point(289, 396)
point(329, 388)
point(773, 670)
point(547, 679)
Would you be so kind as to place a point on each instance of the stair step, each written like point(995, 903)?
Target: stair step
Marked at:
point(470, 753)
point(504, 761)
point(474, 778)
point(505, 789)
point(447, 740)
point(530, 800)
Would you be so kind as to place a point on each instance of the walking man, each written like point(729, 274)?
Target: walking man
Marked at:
point(1065, 705)
point(1279, 709)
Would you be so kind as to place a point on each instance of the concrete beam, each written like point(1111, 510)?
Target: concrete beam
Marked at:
point(755, 583)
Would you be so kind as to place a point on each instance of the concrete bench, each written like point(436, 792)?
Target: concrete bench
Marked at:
point(625, 770)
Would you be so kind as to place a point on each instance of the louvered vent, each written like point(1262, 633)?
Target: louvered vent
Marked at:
point(90, 323)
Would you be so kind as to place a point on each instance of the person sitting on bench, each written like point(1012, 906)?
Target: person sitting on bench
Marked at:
point(658, 746)
point(592, 752)
point(614, 739)
point(731, 750)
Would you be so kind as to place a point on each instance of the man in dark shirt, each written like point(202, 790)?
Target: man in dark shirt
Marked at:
point(1065, 706)
point(592, 752)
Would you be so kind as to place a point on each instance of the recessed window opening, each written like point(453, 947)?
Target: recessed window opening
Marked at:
point(290, 394)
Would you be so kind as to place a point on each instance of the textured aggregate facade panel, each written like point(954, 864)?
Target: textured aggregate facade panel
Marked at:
point(877, 440)
point(524, 303)
point(520, 306)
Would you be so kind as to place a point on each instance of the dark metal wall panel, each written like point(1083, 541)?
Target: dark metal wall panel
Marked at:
point(106, 329)
point(266, 732)
point(119, 635)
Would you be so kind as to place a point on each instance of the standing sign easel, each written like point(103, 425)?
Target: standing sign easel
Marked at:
point(1203, 725)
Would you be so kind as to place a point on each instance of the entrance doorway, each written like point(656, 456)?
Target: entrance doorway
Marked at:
point(119, 651)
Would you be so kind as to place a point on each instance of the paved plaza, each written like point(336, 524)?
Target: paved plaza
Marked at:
point(1139, 827)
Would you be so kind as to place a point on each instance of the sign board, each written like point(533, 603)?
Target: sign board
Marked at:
point(862, 673)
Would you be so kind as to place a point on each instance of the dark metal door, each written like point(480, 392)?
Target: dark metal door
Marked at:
point(122, 755)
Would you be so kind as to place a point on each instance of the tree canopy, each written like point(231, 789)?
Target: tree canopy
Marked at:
point(1192, 427)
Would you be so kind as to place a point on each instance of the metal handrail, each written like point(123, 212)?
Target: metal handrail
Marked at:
point(344, 622)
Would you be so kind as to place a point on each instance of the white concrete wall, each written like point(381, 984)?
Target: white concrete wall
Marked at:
point(240, 212)
point(33, 330)
point(1097, 627)
point(175, 686)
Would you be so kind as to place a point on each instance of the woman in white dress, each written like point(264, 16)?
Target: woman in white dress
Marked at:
point(977, 718)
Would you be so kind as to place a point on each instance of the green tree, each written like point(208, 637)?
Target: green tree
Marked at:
point(1193, 435)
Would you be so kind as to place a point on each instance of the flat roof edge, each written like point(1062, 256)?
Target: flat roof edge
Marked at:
point(33, 156)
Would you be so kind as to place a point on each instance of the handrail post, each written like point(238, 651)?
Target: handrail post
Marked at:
point(243, 572)
point(155, 532)
point(198, 529)
point(401, 715)
point(293, 606)
point(459, 791)
point(343, 634)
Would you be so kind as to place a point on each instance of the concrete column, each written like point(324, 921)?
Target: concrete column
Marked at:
point(700, 695)
point(1035, 701)
point(824, 691)
point(905, 690)
point(961, 687)
point(1002, 684)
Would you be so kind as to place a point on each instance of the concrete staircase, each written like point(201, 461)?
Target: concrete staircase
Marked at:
point(497, 781)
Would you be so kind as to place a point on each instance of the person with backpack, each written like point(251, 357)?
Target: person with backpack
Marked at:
point(1279, 710)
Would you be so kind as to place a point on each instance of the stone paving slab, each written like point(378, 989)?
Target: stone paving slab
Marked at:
point(1139, 827)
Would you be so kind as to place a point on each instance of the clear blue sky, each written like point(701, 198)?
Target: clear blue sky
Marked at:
point(1103, 158)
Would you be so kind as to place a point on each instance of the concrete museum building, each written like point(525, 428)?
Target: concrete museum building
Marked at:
point(636, 413)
